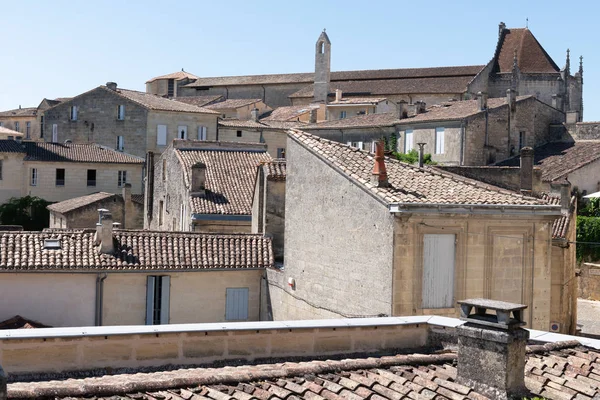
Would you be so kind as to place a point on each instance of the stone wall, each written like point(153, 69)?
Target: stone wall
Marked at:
point(97, 121)
point(173, 120)
point(589, 281)
point(11, 182)
point(274, 139)
point(87, 216)
point(584, 130)
point(506, 177)
point(425, 133)
point(338, 245)
point(268, 211)
point(34, 126)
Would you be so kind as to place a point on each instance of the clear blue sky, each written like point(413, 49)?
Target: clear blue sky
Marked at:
point(63, 48)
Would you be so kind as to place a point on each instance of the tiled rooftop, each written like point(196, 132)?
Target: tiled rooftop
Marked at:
point(374, 74)
point(84, 153)
point(358, 100)
point(531, 56)
point(554, 371)
point(78, 202)
point(275, 170)
point(18, 322)
point(199, 101)
point(230, 177)
point(158, 103)
point(561, 225)
point(20, 112)
point(359, 121)
point(289, 113)
point(135, 250)
point(455, 110)
point(557, 160)
point(9, 132)
point(260, 125)
point(410, 184)
point(179, 75)
point(232, 104)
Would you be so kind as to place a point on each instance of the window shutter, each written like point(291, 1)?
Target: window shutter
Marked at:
point(408, 140)
point(161, 135)
point(236, 304)
point(360, 145)
point(165, 299)
point(438, 270)
point(150, 282)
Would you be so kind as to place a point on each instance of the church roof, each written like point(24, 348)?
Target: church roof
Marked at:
point(531, 56)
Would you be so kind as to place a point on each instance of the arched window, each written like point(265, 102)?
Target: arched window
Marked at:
point(321, 47)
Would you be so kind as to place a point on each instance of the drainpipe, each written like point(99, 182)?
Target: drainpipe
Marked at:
point(99, 297)
point(264, 97)
point(217, 137)
point(462, 142)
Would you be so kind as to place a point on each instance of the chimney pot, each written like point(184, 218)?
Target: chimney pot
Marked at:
point(104, 232)
point(491, 348)
point(111, 85)
point(482, 100)
point(565, 197)
point(313, 116)
point(127, 205)
point(526, 170)
point(254, 114)
point(421, 154)
point(379, 174)
point(198, 180)
point(420, 107)
point(338, 95)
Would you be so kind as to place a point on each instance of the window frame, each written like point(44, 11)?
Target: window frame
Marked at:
point(73, 113)
point(232, 295)
point(120, 143)
point(60, 182)
point(343, 114)
point(121, 178)
point(121, 112)
point(425, 294)
point(202, 132)
point(239, 133)
point(17, 126)
point(159, 133)
point(33, 177)
point(92, 182)
point(158, 299)
point(28, 130)
point(440, 140)
point(409, 133)
point(182, 129)
point(54, 133)
point(281, 152)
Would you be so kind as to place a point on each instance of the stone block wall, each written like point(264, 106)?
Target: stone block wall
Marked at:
point(175, 119)
point(506, 177)
point(589, 281)
point(87, 216)
point(11, 182)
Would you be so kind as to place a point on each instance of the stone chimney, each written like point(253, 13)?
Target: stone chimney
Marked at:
point(491, 348)
point(127, 207)
point(104, 232)
point(313, 116)
point(421, 153)
point(511, 99)
point(402, 111)
point(565, 197)
point(254, 114)
point(111, 85)
point(482, 100)
point(338, 95)
point(501, 28)
point(198, 180)
point(526, 171)
point(420, 107)
point(379, 174)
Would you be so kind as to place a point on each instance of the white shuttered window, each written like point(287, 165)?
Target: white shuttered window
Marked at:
point(408, 140)
point(439, 140)
point(236, 308)
point(201, 133)
point(161, 135)
point(438, 270)
point(157, 300)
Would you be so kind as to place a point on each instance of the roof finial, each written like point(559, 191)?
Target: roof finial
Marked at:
point(527, 22)
point(182, 70)
point(568, 63)
point(581, 65)
point(323, 30)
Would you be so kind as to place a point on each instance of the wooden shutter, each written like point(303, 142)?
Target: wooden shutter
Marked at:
point(150, 282)
point(408, 140)
point(438, 270)
point(439, 140)
point(236, 308)
point(161, 135)
point(165, 299)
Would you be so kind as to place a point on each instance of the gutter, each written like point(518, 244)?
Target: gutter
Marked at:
point(99, 297)
point(480, 209)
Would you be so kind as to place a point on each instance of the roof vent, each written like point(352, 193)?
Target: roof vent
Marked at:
point(52, 244)
point(68, 141)
point(111, 85)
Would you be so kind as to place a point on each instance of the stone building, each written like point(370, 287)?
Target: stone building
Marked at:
point(82, 212)
point(126, 120)
point(342, 108)
point(168, 85)
point(304, 113)
point(481, 131)
point(22, 120)
point(203, 186)
point(270, 133)
point(268, 204)
point(9, 134)
point(434, 237)
point(131, 277)
point(242, 109)
point(57, 172)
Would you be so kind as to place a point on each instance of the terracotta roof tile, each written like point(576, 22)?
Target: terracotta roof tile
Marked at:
point(20, 112)
point(158, 103)
point(9, 132)
point(75, 203)
point(560, 226)
point(230, 178)
point(11, 146)
point(179, 75)
point(275, 170)
point(135, 250)
point(232, 104)
point(358, 100)
point(559, 159)
point(359, 121)
point(199, 101)
point(409, 184)
point(531, 56)
point(261, 125)
point(289, 113)
point(425, 376)
point(85, 153)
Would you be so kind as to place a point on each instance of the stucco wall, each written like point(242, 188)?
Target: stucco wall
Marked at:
point(53, 299)
point(75, 184)
point(425, 133)
point(173, 120)
point(87, 217)
point(338, 245)
point(9, 123)
point(11, 184)
point(274, 139)
point(587, 177)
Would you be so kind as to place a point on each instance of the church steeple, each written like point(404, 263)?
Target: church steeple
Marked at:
point(322, 68)
point(568, 63)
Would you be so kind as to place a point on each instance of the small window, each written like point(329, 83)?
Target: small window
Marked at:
point(161, 135)
point(17, 126)
point(321, 46)
point(439, 140)
point(171, 87)
point(157, 300)
point(236, 304)
point(182, 132)
point(122, 179)
point(239, 133)
point(408, 140)
point(91, 177)
point(280, 152)
point(342, 114)
point(73, 113)
point(60, 177)
point(33, 176)
point(121, 112)
point(28, 130)
point(52, 243)
point(201, 133)
point(161, 212)
point(41, 126)
point(54, 133)
point(120, 143)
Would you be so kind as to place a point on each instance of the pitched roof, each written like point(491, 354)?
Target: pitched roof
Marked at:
point(357, 100)
point(9, 132)
point(134, 250)
point(199, 101)
point(531, 56)
point(289, 113)
point(385, 87)
point(275, 170)
point(409, 184)
point(78, 202)
point(559, 159)
point(70, 152)
point(20, 112)
point(456, 110)
point(158, 103)
point(560, 226)
point(250, 124)
point(232, 104)
point(554, 371)
point(373, 74)
point(359, 121)
point(230, 176)
point(18, 322)
point(179, 75)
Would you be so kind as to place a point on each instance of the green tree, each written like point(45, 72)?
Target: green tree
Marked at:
point(413, 156)
point(30, 212)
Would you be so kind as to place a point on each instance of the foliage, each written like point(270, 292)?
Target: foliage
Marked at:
point(590, 208)
point(588, 233)
point(29, 212)
point(412, 157)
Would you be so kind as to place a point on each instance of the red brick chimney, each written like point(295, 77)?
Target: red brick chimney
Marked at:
point(379, 174)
